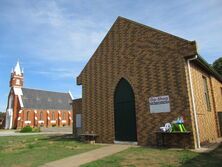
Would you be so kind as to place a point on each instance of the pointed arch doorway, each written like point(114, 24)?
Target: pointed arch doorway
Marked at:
point(124, 112)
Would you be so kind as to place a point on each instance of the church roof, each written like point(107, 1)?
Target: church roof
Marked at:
point(41, 99)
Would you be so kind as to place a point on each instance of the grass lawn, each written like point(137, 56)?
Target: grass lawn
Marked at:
point(34, 150)
point(148, 157)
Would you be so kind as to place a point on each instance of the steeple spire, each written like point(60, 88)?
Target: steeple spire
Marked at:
point(17, 69)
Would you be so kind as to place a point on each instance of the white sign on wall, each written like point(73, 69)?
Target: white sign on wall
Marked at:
point(159, 104)
point(78, 120)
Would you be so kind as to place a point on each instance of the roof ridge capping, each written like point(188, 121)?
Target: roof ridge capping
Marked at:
point(146, 26)
point(45, 90)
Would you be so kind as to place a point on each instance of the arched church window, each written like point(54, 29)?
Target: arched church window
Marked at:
point(27, 116)
point(41, 115)
point(63, 115)
point(53, 115)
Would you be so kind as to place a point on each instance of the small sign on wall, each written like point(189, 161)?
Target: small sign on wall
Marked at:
point(78, 120)
point(159, 104)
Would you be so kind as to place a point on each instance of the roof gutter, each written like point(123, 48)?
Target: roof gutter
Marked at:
point(197, 145)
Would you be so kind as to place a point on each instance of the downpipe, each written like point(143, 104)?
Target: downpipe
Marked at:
point(193, 101)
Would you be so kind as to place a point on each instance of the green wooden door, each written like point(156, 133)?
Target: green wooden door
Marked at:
point(124, 114)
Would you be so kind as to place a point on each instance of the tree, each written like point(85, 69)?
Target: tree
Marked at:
point(217, 64)
point(2, 114)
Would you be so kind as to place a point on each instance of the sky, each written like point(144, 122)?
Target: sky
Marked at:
point(54, 39)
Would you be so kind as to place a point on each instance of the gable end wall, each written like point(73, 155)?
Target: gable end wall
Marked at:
point(153, 64)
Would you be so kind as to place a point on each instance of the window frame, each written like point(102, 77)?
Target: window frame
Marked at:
point(221, 92)
point(206, 93)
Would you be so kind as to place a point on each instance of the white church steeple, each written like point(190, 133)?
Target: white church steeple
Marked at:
point(17, 69)
point(16, 76)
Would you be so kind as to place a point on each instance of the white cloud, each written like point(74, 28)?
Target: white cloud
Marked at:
point(46, 31)
point(57, 73)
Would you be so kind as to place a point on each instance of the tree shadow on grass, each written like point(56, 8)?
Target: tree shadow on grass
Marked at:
point(212, 159)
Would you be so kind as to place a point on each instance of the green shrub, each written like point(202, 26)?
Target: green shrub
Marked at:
point(26, 129)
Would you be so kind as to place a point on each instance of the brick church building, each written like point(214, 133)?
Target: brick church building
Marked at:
point(36, 107)
point(140, 78)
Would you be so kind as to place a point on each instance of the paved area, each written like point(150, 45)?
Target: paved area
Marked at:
point(56, 129)
point(14, 133)
point(77, 160)
point(209, 148)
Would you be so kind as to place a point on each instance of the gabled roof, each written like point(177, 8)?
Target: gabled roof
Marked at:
point(41, 99)
point(199, 59)
point(203, 63)
point(142, 26)
point(148, 27)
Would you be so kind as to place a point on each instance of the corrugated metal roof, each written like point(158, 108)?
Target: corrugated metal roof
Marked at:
point(41, 99)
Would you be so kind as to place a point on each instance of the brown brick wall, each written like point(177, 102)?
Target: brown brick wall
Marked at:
point(15, 77)
point(153, 63)
point(206, 119)
point(16, 108)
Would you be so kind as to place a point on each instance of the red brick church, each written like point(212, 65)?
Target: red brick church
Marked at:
point(36, 107)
